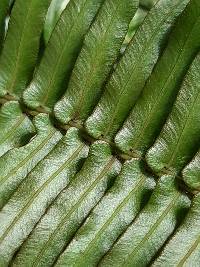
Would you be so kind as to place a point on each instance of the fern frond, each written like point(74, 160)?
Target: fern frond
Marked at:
point(72, 206)
point(45, 182)
point(110, 218)
point(153, 226)
point(20, 50)
point(50, 80)
point(183, 249)
point(126, 83)
point(100, 51)
point(179, 139)
point(145, 122)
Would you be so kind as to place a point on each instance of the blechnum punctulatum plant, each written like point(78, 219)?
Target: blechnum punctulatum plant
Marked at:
point(100, 133)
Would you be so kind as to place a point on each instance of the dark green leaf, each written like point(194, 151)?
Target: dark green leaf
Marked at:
point(134, 68)
point(179, 139)
point(145, 122)
point(21, 46)
point(100, 51)
point(51, 78)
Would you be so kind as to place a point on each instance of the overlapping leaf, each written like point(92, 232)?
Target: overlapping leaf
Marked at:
point(100, 51)
point(16, 128)
point(154, 225)
point(179, 139)
point(184, 247)
point(55, 10)
point(145, 122)
point(72, 206)
point(110, 217)
point(37, 191)
point(20, 50)
point(18, 162)
point(51, 78)
point(134, 68)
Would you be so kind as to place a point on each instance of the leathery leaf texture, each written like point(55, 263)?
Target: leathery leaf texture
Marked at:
point(145, 122)
point(21, 46)
point(100, 50)
point(52, 75)
point(99, 133)
point(126, 83)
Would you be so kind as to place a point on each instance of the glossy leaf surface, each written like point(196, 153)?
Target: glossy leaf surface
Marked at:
point(51, 78)
point(110, 217)
point(153, 226)
point(20, 50)
point(126, 83)
point(179, 139)
point(149, 114)
point(65, 216)
point(100, 51)
point(183, 249)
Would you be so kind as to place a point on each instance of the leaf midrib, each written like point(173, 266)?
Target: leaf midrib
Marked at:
point(10, 87)
point(110, 219)
point(45, 99)
point(148, 44)
point(15, 127)
point(38, 191)
point(33, 153)
point(98, 54)
point(72, 210)
point(157, 99)
point(151, 231)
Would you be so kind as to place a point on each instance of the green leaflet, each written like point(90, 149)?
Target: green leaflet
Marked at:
point(133, 26)
point(55, 10)
point(191, 173)
point(51, 78)
point(184, 247)
point(153, 226)
point(72, 206)
point(18, 162)
point(16, 128)
point(179, 138)
point(100, 51)
point(144, 123)
point(4, 4)
point(38, 190)
point(134, 68)
point(109, 218)
point(21, 46)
